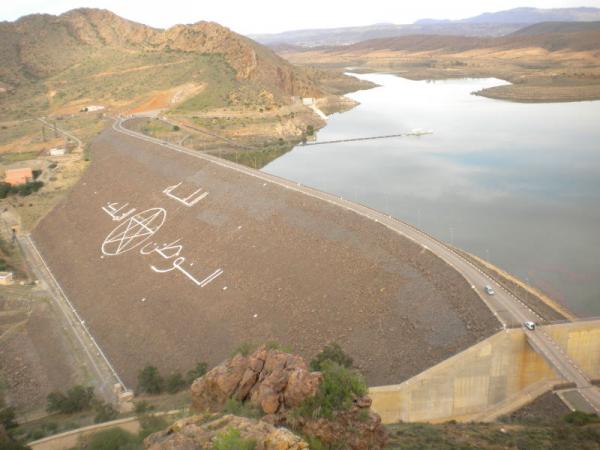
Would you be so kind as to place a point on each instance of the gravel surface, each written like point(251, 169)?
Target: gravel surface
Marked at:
point(547, 407)
point(296, 270)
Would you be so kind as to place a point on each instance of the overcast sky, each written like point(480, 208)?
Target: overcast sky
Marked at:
point(270, 16)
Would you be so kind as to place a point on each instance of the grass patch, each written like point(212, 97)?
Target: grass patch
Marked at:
point(244, 349)
point(13, 157)
point(231, 439)
point(237, 408)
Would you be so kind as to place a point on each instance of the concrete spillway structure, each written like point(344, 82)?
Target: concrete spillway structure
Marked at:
point(492, 378)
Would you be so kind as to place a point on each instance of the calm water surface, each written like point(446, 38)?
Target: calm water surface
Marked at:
point(517, 184)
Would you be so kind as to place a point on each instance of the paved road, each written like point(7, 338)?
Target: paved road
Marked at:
point(102, 371)
point(509, 310)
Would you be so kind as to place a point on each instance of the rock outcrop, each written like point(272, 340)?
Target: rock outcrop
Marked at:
point(276, 382)
point(194, 433)
point(271, 380)
point(357, 429)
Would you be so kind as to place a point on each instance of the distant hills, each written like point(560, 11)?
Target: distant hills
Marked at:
point(485, 25)
point(555, 36)
point(536, 15)
point(94, 55)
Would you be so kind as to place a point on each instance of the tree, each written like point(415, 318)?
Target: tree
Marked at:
point(175, 127)
point(198, 371)
point(331, 352)
point(104, 412)
point(150, 381)
point(76, 399)
point(7, 418)
point(4, 189)
point(175, 383)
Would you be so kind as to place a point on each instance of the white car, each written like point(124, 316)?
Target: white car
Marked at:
point(489, 291)
point(529, 325)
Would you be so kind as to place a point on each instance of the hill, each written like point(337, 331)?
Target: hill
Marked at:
point(91, 55)
point(549, 37)
point(485, 25)
point(535, 15)
point(351, 35)
point(556, 61)
point(557, 27)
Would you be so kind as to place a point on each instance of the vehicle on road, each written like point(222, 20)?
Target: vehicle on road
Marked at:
point(488, 290)
point(529, 325)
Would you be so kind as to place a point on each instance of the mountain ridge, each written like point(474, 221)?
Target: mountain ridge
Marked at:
point(41, 47)
point(494, 24)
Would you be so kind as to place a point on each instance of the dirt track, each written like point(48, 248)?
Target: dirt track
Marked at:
point(296, 270)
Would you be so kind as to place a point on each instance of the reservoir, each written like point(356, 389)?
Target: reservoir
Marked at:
point(516, 184)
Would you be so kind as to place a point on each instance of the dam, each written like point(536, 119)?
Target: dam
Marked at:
point(172, 257)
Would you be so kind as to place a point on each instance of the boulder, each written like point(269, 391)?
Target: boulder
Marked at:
point(271, 380)
point(195, 433)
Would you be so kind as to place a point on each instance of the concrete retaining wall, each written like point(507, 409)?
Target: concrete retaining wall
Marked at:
point(502, 370)
point(71, 438)
point(581, 340)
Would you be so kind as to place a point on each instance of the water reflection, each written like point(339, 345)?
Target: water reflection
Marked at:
point(518, 184)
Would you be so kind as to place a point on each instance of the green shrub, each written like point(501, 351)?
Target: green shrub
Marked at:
point(244, 349)
point(175, 127)
point(151, 424)
point(332, 352)
point(237, 408)
point(314, 443)
point(143, 407)
point(195, 373)
point(581, 418)
point(150, 381)
point(231, 439)
point(5, 189)
point(76, 399)
point(104, 412)
point(175, 383)
point(113, 439)
point(336, 392)
point(274, 345)
point(7, 418)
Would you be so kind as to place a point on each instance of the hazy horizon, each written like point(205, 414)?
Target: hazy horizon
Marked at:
point(249, 18)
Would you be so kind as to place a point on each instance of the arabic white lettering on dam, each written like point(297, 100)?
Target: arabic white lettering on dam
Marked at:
point(138, 229)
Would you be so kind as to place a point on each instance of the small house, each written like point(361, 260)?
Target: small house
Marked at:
point(308, 101)
point(16, 177)
point(57, 151)
point(6, 278)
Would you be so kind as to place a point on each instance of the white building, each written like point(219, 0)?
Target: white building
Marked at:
point(6, 278)
point(308, 101)
point(92, 108)
point(57, 151)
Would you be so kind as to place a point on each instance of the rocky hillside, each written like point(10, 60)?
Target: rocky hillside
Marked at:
point(329, 406)
point(49, 56)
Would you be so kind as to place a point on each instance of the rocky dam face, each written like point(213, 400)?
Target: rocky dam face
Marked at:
point(172, 259)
